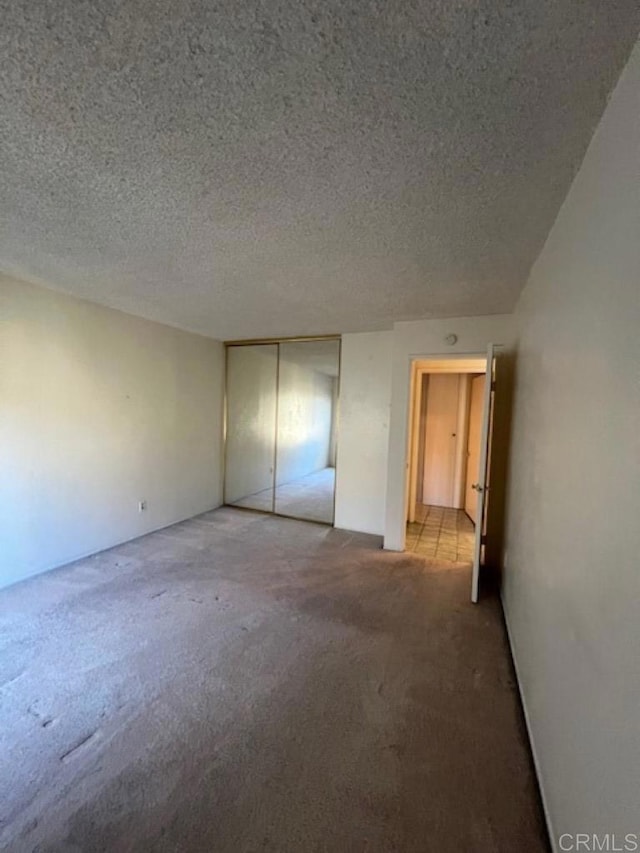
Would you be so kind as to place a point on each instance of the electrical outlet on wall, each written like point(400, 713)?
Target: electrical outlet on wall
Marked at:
point(142, 505)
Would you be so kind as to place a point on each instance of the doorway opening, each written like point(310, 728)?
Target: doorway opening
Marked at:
point(281, 427)
point(449, 436)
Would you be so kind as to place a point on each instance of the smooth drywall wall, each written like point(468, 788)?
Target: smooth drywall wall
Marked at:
point(99, 411)
point(363, 433)
point(427, 339)
point(572, 578)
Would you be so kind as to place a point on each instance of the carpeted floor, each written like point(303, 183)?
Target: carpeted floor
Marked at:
point(241, 682)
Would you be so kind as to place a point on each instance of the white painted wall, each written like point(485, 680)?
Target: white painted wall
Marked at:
point(572, 581)
point(363, 435)
point(98, 410)
point(304, 421)
point(426, 339)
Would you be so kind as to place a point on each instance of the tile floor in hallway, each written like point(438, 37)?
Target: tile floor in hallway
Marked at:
point(441, 533)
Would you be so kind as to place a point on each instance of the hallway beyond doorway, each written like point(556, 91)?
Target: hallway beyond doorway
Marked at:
point(441, 533)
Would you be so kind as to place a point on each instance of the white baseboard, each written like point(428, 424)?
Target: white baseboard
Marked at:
point(527, 719)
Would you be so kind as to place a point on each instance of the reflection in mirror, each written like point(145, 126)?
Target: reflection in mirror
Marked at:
point(307, 429)
point(251, 425)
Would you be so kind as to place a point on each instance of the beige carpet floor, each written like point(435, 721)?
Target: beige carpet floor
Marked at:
point(241, 682)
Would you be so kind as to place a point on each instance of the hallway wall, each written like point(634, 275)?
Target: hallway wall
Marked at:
point(572, 582)
point(98, 411)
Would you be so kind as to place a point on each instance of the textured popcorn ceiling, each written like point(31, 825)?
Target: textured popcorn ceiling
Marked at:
point(289, 167)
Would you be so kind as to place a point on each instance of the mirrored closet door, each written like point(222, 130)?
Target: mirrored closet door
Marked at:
point(282, 425)
point(250, 457)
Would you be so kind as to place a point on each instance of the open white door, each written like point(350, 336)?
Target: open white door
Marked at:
point(482, 486)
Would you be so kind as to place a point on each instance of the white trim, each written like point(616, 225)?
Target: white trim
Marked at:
point(527, 720)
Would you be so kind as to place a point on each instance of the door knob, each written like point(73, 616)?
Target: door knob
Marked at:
point(477, 487)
